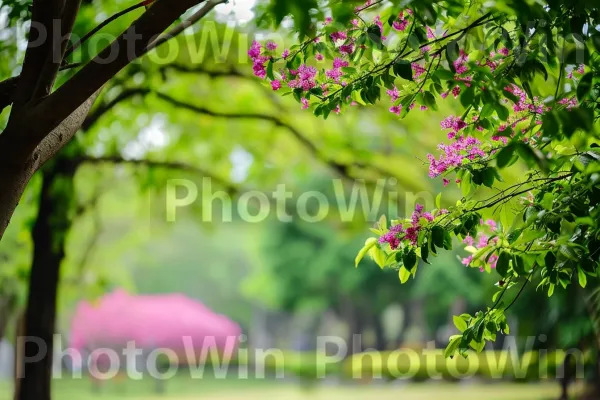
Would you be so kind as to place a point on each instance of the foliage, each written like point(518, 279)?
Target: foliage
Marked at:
point(528, 78)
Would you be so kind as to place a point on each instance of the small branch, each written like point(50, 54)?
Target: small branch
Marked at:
point(104, 23)
point(178, 29)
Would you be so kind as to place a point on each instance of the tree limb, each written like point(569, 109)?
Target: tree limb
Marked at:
point(54, 58)
point(36, 56)
point(231, 188)
point(61, 135)
point(51, 111)
point(179, 28)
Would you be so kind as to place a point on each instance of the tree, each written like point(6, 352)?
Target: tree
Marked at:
point(56, 206)
point(527, 76)
point(58, 114)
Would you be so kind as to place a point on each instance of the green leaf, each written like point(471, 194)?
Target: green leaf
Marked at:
point(466, 97)
point(378, 256)
point(438, 200)
point(444, 74)
point(452, 346)
point(460, 323)
point(425, 252)
point(413, 41)
point(503, 263)
point(437, 235)
point(410, 260)
point(502, 111)
point(488, 177)
point(519, 265)
point(403, 274)
point(429, 100)
point(447, 241)
point(403, 69)
point(505, 155)
point(585, 86)
point(370, 242)
point(582, 277)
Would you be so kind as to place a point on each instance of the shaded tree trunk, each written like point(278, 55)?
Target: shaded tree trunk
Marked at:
point(49, 234)
point(13, 180)
point(380, 339)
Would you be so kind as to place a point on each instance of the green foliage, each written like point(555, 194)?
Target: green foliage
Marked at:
point(517, 109)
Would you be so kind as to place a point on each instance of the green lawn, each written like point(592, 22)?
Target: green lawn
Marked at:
point(182, 388)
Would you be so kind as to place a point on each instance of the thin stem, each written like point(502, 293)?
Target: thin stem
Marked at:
point(110, 19)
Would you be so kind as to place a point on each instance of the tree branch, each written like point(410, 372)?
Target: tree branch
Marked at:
point(231, 188)
point(54, 58)
point(175, 31)
point(39, 48)
point(61, 135)
point(127, 47)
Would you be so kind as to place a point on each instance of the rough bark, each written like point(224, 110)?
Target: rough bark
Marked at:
point(16, 173)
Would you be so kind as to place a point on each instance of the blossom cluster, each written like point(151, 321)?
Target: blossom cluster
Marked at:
point(409, 231)
point(461, 150)
point(481, 241)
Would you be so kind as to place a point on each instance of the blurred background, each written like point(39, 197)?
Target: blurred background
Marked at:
point(273, 284)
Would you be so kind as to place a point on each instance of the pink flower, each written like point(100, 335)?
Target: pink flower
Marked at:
point(396, 109)
point(347, 48)
point(418, 69)
point(319, 57)
point(393, 93)
point(446, 182)
point(483, 241)
point(379, 23)
point(328, 21)
point(305, 103)
point(339, 63)
point(271, 45)
point(285, 53)
point(276, 84)
point(430, 33)
point(305, 78)
point(255, 50)
point(466, 261)
point(453, 155)
point(504, 51)
point(341, 35)
point(468, 240)
point(400, 25)
point(569, 103)
point(492, 224)
point(334, 74)
point(456, 91)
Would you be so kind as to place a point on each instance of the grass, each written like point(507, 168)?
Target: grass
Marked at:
point(184, 388)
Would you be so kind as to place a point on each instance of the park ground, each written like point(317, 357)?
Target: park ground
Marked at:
point(187, 389)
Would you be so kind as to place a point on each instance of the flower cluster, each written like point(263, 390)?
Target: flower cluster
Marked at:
point(304, 78)
point(258, 60)
point(409, 231)
point(464, 148)
point(401, 23)
point(479, 242)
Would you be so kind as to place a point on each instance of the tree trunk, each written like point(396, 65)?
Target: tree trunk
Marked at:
point(380, 339)
point(13, 180)
point(49, 234)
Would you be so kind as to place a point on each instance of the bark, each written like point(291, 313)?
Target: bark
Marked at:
point(15, 172)
point(49, 234)
point(13, 180)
